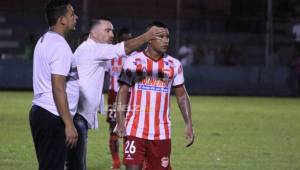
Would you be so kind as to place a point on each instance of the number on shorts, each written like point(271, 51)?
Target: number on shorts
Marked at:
point(130, 148)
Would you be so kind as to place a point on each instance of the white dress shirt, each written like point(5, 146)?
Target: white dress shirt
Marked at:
point(91, 59)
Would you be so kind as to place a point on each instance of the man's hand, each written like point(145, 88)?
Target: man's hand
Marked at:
point(189, 135)
point(155, 33)
point(71, 135)
point(120, 130)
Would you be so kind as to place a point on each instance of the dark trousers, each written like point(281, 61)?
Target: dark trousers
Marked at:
point(76, 157)
point(48, 134)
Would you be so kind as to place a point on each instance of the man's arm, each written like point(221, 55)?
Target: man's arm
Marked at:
point(122, 98)
point(134, 43)
point(61, 102)
point(185, 108)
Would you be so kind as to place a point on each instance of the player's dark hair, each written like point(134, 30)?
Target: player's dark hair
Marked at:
point(157, 24)
point(56, 9)
point(120, 33)
point(97, 21)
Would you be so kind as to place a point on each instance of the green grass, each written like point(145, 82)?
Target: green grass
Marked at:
point(234, 133)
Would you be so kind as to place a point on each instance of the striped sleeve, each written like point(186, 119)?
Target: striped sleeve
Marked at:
point(127, 73)
point(178, 77)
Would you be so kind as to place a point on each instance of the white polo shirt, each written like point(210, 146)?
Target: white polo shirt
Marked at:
point(53, 55)
point(91, 60)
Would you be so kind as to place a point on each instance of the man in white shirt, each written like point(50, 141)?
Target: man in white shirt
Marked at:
point(91, 57)
point(56, 89)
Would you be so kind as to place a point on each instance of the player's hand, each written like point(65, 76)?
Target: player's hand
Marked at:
point(189, 135)
point(120, 130)
point(71, 135)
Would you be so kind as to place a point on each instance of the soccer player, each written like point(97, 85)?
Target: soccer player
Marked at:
point(56, 89)
point(114, 68)
point(91, 57)
point(147, 127)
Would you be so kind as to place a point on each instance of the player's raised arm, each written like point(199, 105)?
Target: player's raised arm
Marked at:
point(185, 108)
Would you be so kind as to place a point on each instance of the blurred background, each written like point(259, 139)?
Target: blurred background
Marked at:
point(227, 47)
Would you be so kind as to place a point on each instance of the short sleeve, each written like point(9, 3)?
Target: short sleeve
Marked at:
point(61, 60)
point(128, 72)
point(178, 77)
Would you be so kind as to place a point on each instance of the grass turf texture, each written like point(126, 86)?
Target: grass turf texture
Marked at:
point(234, 133)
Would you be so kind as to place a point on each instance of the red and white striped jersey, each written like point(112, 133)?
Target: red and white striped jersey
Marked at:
point(114, 68)
point(148, 114)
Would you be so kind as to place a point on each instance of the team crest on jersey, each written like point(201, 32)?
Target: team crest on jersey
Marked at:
point(169, 63)
point(165, 161)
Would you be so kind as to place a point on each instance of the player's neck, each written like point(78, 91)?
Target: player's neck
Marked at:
point(155, 55)
point(59, 30)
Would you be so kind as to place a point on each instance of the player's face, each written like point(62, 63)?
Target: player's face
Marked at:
point(70, 18)
point(104, 32)
point(161, 45)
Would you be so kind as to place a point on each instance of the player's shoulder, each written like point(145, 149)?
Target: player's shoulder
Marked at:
point(173, 60)
point(53, 42)
point(136, 54)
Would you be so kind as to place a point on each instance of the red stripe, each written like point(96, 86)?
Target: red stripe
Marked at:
point(137, 113)
point(166, 117)
point(148, 103)
point(112, 82)
point(147, 116)
point(172, 70)
point(149, 67)
point(120, 61)
point(137, 106)
point(157, 105)
point(112, 62)
point(128, 117)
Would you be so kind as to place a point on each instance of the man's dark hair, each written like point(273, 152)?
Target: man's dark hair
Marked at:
point(120, 33)
point(56, 9)
point(97, 21)
point(157, 24)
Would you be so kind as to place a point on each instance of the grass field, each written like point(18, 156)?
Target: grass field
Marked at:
point(234, 133)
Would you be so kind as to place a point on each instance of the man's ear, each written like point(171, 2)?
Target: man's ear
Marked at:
point(62, 20)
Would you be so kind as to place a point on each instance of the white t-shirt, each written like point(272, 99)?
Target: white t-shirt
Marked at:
point(91, 58)
point(296, 31)
point(53, 55)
